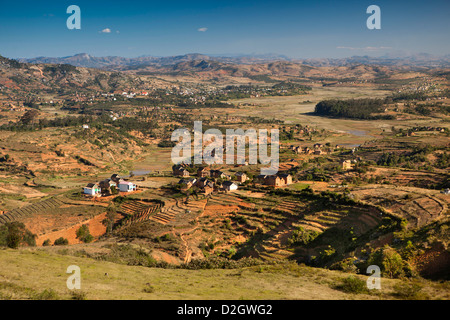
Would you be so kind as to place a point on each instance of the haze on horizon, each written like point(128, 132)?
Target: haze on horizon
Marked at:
point(296, 29)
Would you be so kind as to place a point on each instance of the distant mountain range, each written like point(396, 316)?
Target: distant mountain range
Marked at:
point(115, 62)
point(88, 61)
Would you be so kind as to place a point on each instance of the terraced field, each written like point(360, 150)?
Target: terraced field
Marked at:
point(168, 213)
point(138, 211)
point(265, 225)
point(227, 199)
point(418, 206)
point(36, 208)
point(253, 225)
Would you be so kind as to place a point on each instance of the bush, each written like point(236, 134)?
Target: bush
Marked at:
point(346, 265)
point(409, 291)
point(129, 255)
point(84, 234)
point(302, 237)
point(14, 234)
point(166, 237)
point(352, 284)
point(120, 199)
point(392, 264)
point(47, 294)
point(46, 243)
point(114, 190)
point(221, 263)
point(148, 288)
point(61, 242)
point(78, 295)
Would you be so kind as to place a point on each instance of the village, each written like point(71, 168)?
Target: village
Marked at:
point(107, 187)
point(206, 180)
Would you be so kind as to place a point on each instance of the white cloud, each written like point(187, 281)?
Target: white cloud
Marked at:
point(107, 30)
point(202, 29)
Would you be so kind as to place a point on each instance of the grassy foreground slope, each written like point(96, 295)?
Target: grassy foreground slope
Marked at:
point(37, 274)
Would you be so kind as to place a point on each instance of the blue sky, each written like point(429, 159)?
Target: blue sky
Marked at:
point(299, 29)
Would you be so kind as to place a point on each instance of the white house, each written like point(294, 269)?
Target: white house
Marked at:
point(92, 189)
point(126, 186)
point(229, 186)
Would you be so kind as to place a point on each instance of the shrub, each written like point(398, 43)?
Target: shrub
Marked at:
point(148, 288)
point(327, 253)
point(46, 243)
point(167, 237)
point(409, 291)
point(221, 263)
point(114, 190)
point(84, 234)
point(47, 294)
point(352, 284)
point(120, 199)
point(129, 255)
point(390, 262)
point(61, 242)
point(14, 234)
point(302, 236)
point(78, 295)
point(346, 265)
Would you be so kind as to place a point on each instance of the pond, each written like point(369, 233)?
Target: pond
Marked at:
point(359, 133)
point(138, 173)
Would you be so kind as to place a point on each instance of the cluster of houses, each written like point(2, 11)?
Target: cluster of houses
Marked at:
point(107, 186)
point(203, 180)
point(204, 175)
point(279, 180)
point(317, 149)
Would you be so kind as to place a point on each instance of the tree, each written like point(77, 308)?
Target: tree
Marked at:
point(110, 219)
point(389, 260)
point(114, 190)
point(84, 234)
point(29, 117)
point(392, 263)
point(14, 234)
point(13, 239)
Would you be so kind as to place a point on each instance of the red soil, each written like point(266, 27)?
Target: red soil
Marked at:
point(96, 229)
point(219, 209)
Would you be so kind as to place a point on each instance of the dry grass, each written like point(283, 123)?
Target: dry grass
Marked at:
point(35, 274)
